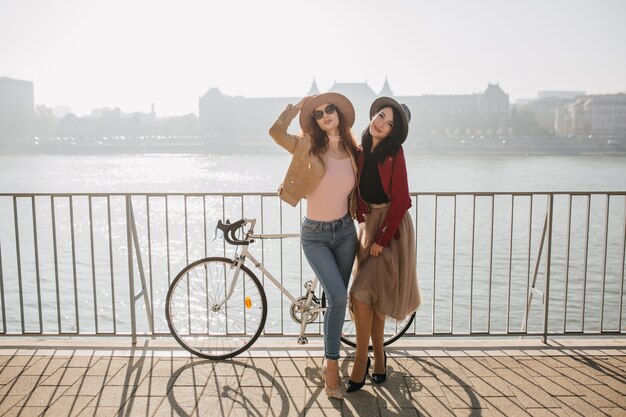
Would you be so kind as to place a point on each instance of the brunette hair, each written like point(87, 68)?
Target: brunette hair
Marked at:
point(389, 146)
point(320, 140)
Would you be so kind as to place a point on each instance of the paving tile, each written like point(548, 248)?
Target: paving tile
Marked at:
point(113, 396)
point(44, 396)
point(518, 376)
point(68, 406)
point(395, 412)
point(533, 396)
point(185, 396)
point(576, 405)
point(291, 367)
point(491, 387)
point(551, 387)
point(292, 386)
point(25, 412)
point(433, 406)
point(616, 411)
point(215, 406)
point(191, 375)
point(286, 405)
point(154, 387)
point(472, 412)
point(45, 367)
point(505, 407)
point(87, 385)
point(316, 398)
point(21, 385)
point(9, 373)
point(129, 375)
point(223, 385)
point(243, 412)
point(22, 361)
point(473, 367)
point(463, 397)
point(614, 382)
point(536, 367)
point(416, 370)
point(106, 366)
point(10, 401)
point(454, 377)
point(251, 377)
point(64, 376)
point(166, 409)
point(618, 399)
point(82, 361)
point(324, 412)
point(418, 382)
point(360, 406)
point(140, 407)
point(99, 412)
point(548, 412)
point(580, 377)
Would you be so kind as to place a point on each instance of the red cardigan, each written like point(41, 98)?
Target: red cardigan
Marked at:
point(393, 176)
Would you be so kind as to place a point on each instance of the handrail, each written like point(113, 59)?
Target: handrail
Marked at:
point(69, 259)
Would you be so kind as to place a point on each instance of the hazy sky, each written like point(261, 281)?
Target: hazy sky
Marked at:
point(94, 53)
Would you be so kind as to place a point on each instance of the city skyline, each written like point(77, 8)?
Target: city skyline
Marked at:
point(98, 55)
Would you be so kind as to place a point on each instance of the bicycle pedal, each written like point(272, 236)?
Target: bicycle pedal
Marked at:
point(302, 340)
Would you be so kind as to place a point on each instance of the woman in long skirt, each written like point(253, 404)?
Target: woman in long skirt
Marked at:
point(385, 282)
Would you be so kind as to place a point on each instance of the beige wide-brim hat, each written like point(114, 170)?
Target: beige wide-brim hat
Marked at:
point(404, 112)
point(343, 104)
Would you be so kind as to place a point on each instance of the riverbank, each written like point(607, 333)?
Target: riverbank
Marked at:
point(222, 146)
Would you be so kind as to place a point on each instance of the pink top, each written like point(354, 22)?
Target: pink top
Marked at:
point(329, 199)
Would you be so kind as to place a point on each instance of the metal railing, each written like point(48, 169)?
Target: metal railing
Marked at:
point(489, 264)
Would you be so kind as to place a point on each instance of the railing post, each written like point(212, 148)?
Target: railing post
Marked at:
point(546, 291)
point(131, 277)
point(132, 237)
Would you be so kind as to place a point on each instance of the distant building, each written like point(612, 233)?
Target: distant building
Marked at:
point(61, 111)
point(108, 122)
point(17, 107)
point(559, 94)
point(223, 116)
point(601, 115)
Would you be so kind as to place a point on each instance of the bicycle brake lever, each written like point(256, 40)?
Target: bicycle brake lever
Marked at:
point(217, 227)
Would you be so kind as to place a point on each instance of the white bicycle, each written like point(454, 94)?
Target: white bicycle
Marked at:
point(216, 307)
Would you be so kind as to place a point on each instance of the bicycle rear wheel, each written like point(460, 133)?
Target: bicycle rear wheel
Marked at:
point(394, 329)
point(200, 318)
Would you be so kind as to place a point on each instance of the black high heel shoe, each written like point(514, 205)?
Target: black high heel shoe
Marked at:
point(355, 386)
point(380, 378)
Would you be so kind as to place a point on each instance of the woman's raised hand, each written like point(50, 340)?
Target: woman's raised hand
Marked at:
point(300, 104)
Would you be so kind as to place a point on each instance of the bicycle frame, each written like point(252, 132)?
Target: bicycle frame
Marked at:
point(245, 254)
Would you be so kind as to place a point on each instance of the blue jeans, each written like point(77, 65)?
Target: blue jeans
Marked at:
point(330, 248)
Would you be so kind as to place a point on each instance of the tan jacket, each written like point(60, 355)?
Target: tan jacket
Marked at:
point(305, 170)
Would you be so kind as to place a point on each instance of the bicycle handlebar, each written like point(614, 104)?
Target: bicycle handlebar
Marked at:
point(229, 229)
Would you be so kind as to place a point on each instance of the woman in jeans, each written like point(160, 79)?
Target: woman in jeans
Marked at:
point(323, 170)
point(385, 279)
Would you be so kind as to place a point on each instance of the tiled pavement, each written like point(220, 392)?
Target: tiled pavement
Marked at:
point(442, 381)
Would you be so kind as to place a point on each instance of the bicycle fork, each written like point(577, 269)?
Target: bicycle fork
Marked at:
point(237, 266)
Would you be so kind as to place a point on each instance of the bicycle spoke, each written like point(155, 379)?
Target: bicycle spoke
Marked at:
point(204, 321)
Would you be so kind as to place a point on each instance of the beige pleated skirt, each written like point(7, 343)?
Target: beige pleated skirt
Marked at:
point(388, 282)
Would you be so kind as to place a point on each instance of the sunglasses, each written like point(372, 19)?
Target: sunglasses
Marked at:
point(318, 114)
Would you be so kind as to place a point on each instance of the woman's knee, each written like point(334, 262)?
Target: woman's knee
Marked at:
point(339, 300)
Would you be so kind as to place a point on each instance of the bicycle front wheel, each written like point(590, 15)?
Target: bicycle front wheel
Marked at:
point(203, 320)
